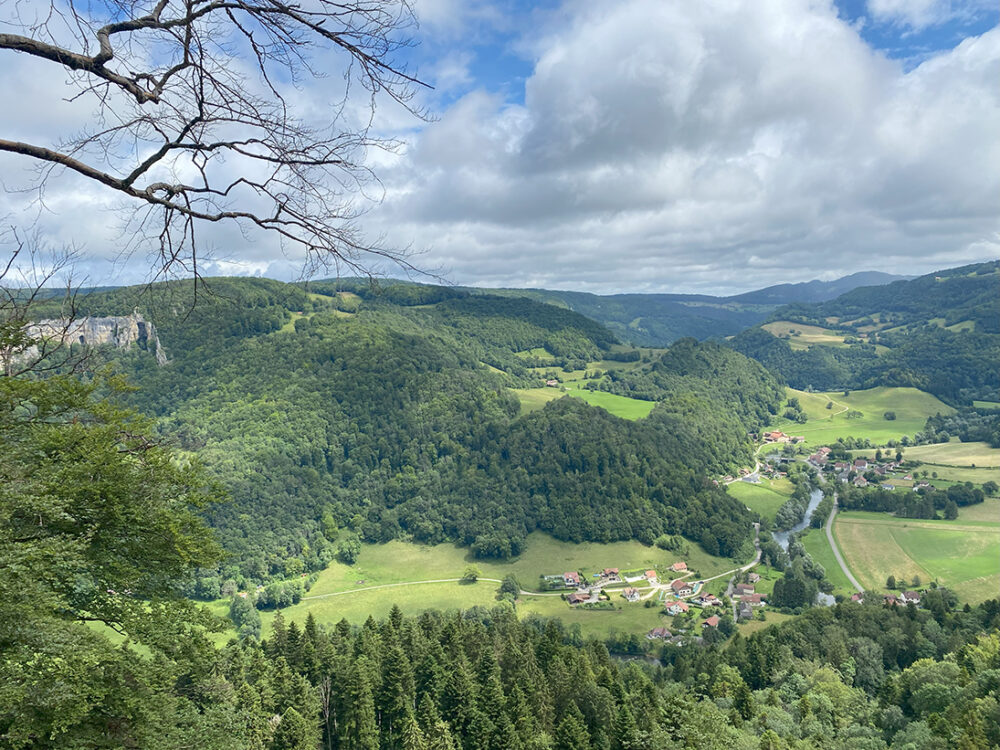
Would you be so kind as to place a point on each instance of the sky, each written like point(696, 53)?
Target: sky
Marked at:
point(639, 146)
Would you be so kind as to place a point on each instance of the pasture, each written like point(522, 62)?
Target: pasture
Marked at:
point(976, 455)
point(620, 406)
point(339, 597)
point(818, 547)
point(802, 336)
point(824, 426)
point(963, 555)
point(533, 399)
point(764, 498)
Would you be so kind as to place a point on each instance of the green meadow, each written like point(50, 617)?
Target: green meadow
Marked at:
point(764, 498)
point(818, 547)
point(963, 555)
point(976, 455)
point(804, 335)
point(345, 591)
point(620, 406)
point(912, 407)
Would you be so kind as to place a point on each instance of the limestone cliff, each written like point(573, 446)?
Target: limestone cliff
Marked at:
point(120, 331)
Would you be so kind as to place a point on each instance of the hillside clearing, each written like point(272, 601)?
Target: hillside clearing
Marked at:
point(764, 498)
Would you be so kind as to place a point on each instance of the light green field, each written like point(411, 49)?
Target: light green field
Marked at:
point(402, 562)
point(986, 404)
point(773, 618)
point(539, 352)
point(764, 498)
point(818, 547)
point(533, 399)
point(808, 335)
point(620, 406)
point(912, 407)
point(963, 555)
point(956, 454)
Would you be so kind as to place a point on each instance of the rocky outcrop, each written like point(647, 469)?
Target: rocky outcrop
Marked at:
point(120, 331)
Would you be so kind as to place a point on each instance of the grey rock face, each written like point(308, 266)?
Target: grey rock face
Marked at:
point(120, 331)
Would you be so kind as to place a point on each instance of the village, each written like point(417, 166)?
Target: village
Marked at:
point(675, 593)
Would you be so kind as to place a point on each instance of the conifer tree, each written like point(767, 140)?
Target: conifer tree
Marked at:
point(571, 733)
point(293, 733)
point(358, 730)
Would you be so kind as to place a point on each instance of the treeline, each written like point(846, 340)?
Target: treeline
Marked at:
point(970, 425)
point(922, 503)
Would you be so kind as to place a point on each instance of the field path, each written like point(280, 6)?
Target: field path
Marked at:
point(836, 549)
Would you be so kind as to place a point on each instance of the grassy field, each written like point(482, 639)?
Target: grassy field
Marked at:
point(911, 406)
point(956, 454)
point(806, 335)
point(773, 618)
point(764, 498)
point(533, 399)
point(400, 562)
point(986, 404)
point(620, 406)
point(818, 547)
point(963, 555)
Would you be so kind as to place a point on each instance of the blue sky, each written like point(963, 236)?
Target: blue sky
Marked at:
point(609, 146)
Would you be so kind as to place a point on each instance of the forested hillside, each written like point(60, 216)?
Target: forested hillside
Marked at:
point(939, 333)
point(396, 420)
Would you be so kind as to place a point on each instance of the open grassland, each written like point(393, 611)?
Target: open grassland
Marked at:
point(818, 547)
point(620, 406)
point(911, 407)
point(533, 399)
point(956, 454)
point(538, 352)
point(336, 593)
point(806, 335)
point(764, 498)
point(963, 555)
point(773, 618)
point(986, 404)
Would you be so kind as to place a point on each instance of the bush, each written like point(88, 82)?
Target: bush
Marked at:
point(889, 416)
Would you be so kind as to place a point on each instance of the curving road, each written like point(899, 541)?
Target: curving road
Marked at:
point(836, 550)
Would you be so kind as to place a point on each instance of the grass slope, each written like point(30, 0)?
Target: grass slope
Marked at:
point(764, 498)
point(911, 406)
point(400, 562)
point(818, 547)
point(956, 454)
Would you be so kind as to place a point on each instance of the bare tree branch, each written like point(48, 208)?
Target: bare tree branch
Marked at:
point(193, 122)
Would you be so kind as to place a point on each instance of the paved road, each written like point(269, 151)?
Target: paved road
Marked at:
point(836, 550)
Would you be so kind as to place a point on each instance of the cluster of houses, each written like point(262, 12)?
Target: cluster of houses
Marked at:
point(591, 592)
point(747, 599)
point(777, 436)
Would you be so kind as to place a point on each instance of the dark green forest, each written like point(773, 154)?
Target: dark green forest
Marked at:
point(396, 421)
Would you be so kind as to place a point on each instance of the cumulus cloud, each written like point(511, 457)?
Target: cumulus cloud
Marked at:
point(709, 146)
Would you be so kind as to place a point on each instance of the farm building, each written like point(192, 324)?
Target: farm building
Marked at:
point(711, 622)
point(676, 608)
point(571, 579)
point(661, 633)
point(631, 594)
point(680, 588)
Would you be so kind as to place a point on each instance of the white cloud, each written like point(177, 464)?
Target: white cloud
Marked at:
point(711, 146)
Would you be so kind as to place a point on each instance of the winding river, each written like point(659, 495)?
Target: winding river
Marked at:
point(782, 537)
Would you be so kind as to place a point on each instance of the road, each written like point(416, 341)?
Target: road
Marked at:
point(836, 550)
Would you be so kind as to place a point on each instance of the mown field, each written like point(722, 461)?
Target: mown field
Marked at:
point(764, 498)
point(912, 407)
point(805, 335)
point(963, 555)
point(976, 455)
point(338, 596)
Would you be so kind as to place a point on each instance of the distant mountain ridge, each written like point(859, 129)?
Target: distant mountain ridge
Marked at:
point(816, 290)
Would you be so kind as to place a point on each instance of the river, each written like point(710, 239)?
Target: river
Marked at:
point(782, 537)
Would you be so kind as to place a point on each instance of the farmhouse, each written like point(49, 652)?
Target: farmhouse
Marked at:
point(552, 383)
point(860, 482)
point(676, 608)
point(707, 600)
point(578, 598)
point(858, 597)
point(891, 600)
point(744, 588)
point(711, 622)
point(661, 633)
point(680, 588)
point(631, 594)
point(571, 579)
point(754, 600)
point(860, 464)
point(610, 575)
point(650, 575)
point(909, 597)
point(753, 577)
point(744, 611)
point(677, 567)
